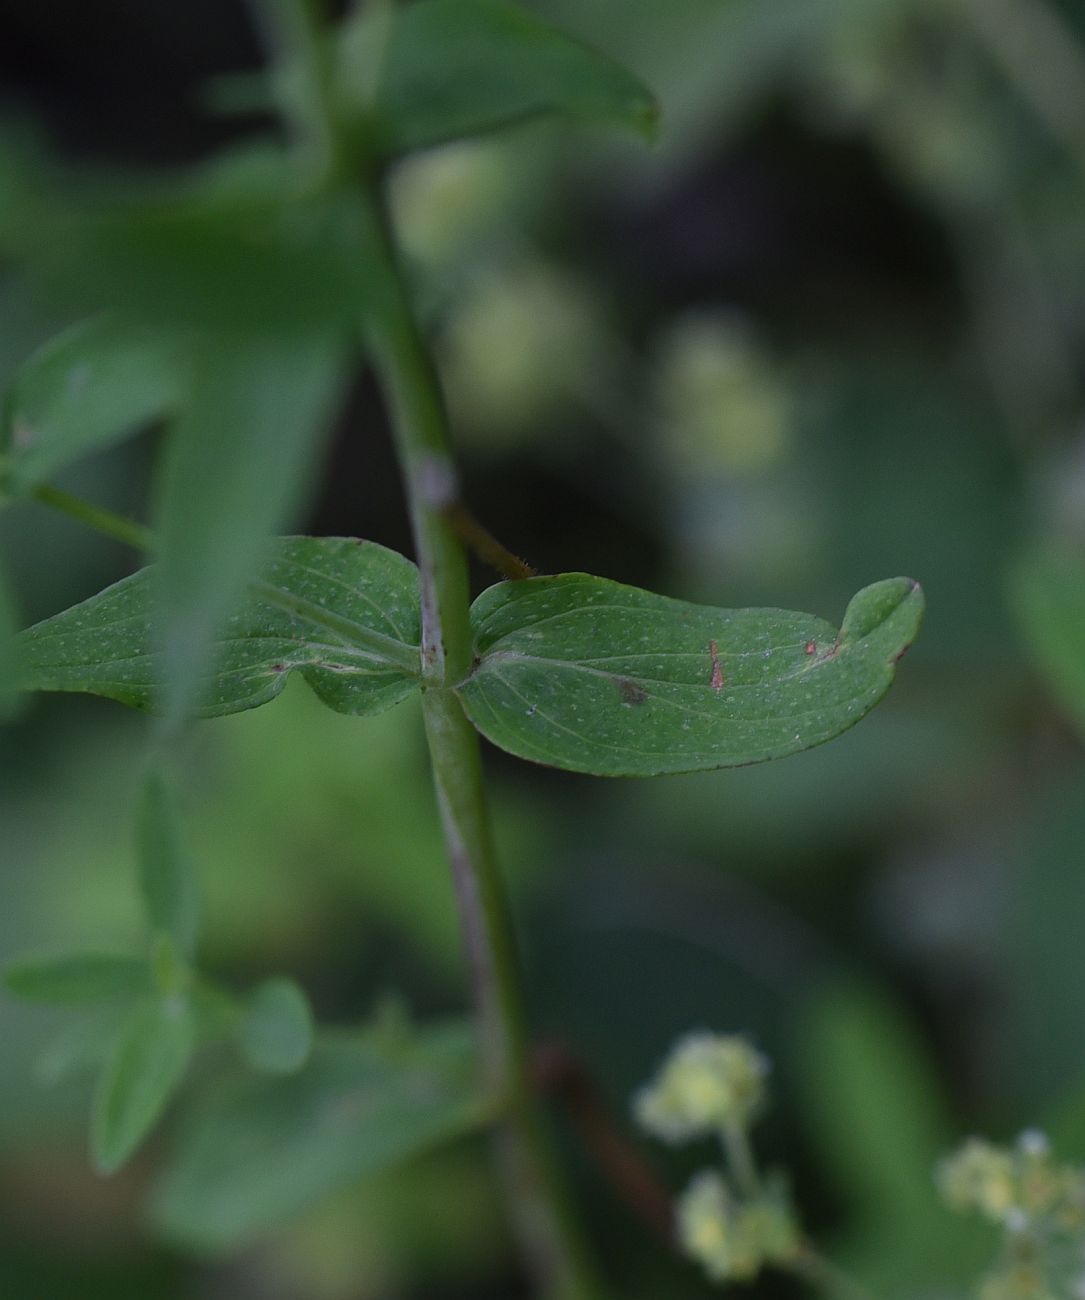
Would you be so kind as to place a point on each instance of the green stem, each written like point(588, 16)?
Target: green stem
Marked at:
point(739, 1154)
point(99, 518)
point(812, 1267)
point(545, 1221)
point(548, 1227)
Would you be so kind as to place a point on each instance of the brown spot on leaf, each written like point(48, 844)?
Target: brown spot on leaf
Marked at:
point(718, 678)
point(631, 693)
point(810, 648)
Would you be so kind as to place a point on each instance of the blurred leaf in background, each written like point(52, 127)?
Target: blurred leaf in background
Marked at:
point(874, 1107)
point(1048, 592)
point(260, 1154)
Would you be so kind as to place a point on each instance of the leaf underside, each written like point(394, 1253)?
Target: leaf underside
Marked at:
point(592, 676)
point(274, 1147)
point(342, 613)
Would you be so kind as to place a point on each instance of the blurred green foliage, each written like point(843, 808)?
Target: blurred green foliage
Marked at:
point(831, 329)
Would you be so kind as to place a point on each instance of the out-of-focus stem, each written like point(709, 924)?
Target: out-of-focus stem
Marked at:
point(547, 1224)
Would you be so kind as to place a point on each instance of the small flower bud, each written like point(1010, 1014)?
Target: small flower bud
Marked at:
point(1032, 1142)
point(1015, 1221)
point(979, 1176)
point(709, 1082)
point(771, 1221)
point(706, 1217)
point(732, 1240)
point(1041, 1206)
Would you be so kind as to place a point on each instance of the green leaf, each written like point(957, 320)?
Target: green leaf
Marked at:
point(342, 613)
point(271, 1148)
point(92, 385)
point(1048, 595)
point(592, 676)
point(238, 464)
point(277, 1032)
point(80, 978)
point(455, 68)
point(147, 1064)
point(84, 1044)
point(167, 876)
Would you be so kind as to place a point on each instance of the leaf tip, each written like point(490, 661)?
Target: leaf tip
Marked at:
point(890, 611)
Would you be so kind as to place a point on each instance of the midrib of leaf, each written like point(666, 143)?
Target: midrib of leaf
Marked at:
point(589, 668)
point(382, 647)
point(378, 644)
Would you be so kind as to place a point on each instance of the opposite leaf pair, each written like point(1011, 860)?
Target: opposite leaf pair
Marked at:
point(575, 671)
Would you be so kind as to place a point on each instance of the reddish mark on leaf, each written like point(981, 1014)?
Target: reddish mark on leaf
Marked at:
point(278, 668)
point(717, 668)
point(810, 648)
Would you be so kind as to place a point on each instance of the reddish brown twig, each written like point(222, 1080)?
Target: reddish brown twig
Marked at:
point(557, 1072)
point(482, 543)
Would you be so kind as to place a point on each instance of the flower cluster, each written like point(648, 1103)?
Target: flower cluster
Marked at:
point(710, 1082)
point(1040, 1205)
point(733, 1239)
point(713, 1085)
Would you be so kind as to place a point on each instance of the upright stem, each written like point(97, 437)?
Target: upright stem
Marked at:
point(546, 1224)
